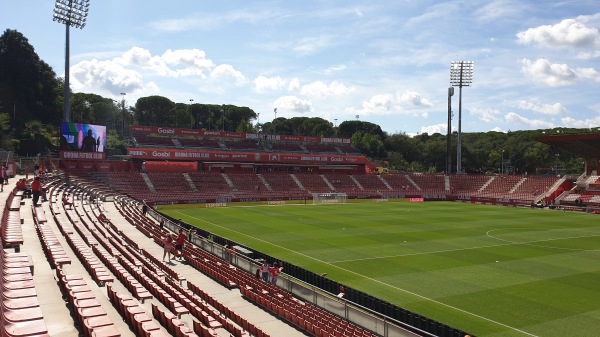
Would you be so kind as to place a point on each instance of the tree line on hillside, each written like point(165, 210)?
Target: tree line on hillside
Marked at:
point(31, 105)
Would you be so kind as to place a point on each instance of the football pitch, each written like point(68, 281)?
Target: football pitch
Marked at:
point(488, 270)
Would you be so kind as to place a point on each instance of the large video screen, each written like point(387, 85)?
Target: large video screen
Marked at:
point(82, 137)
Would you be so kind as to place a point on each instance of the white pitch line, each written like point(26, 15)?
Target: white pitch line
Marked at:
point(508, 243)
point(369, 278)
point(532, 243)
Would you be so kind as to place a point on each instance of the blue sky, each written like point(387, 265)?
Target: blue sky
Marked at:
point(536, 63)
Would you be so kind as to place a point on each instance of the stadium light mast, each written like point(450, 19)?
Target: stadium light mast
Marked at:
point(449, 133)
point(71, 13)
point(191, 115)
point(461, 75)
point(223, 117)
point(274, 130)
point(123, 114)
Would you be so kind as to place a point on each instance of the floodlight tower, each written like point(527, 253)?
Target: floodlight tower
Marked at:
point(71, 13)
point(461, 75)
point(449, 133)
point(123, 114)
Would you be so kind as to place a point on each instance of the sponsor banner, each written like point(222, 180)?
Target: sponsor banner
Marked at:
point(78, 155)
point(237, 135)
point(175, 154)
point(416, 200)
point(215, 204)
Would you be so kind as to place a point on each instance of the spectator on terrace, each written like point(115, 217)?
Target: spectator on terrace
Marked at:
point(168, 246)
point(264, 269)
point(144, 209)
point(22, 186)
point(161, 224)
point(179, 244)
point(36, 189)
point(342, 292)
point(274, 271)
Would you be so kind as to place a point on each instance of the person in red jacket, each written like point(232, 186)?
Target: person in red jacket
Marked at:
point(36, 189)
point(179, 243)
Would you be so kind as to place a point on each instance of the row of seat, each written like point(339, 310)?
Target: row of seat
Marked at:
point(55, 253)
point(86, 309)
point(209, 316)
point(134, 315)
point(171, 323)
point(163, 267)
point(20, 309)
point(155, 289)
point(306, 316)
point(12, 233)
point(227, 312)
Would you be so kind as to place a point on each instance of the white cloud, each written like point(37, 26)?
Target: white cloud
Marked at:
point(568, 33)
point(225, 72)
point(556, 75)
point(437, 128)
point(321, 90)
point(588, 55)
point(487, 115)
point(294, 84)
point(312, 45)
point(292, 103)
point(496, 129)
point(414, 98)
point(172, 63)
point(387, 104)
point(586, 123)
point(532, 123)
point(332, 70)
point(107, 76)
point(262, 83)
point(498, 9)
point(377, 105)
point(545, 109)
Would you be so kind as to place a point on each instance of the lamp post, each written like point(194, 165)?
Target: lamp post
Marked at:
point(257, 120)
point(274, 130)
point(223, 118)
point(71, 13)
point(191, 101)
point(461, 75)
point(123, 114)
point(502, 163)
point(449, 133)
point(335, 122)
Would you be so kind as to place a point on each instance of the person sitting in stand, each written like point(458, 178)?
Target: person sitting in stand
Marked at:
point(22, 186)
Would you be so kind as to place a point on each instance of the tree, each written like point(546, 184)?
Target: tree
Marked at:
point(155, 110)
point(245, 127)
point(27, 84)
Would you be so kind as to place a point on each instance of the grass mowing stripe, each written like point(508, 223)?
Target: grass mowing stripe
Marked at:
point(427, 256)
point(388, 285)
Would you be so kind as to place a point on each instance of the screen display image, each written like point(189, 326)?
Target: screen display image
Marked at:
point(82, 137)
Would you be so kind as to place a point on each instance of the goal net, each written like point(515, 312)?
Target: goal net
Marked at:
point(329, 198)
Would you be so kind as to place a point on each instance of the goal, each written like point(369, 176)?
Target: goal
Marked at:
point(329, 198)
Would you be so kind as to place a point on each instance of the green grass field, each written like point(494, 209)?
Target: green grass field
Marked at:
point(488, 270)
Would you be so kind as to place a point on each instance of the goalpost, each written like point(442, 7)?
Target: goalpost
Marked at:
point(329, 198)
